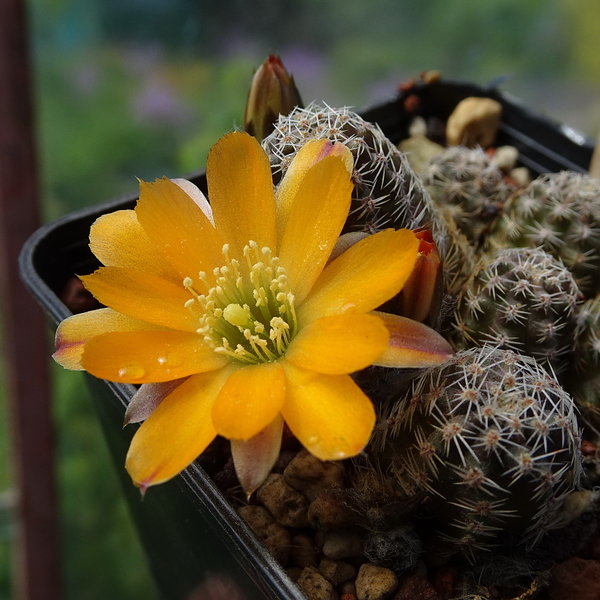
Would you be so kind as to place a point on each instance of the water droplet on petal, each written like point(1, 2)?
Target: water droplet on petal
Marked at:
point(175, 361)
point(339, 455)
point(347, 307)
point(312, 440)
point(132, 371)
point(162, 360)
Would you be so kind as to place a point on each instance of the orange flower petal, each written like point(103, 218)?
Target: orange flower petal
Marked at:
point(412, 344)
point(365, 276)
point(142, 296)
point(249, 401)
point(179, 229)
point(346, 241)
point(118, 240)
point(177, 432)
point(316, 217)
point(329, 414)
point(339, 344)
point(75, 331)
point(308, 155)
point(149, 356)
point(240, 190)
point(193, 191)
point(254, 459)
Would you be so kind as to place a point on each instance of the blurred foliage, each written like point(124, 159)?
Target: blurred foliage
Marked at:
point(110, 117)
point(143, 88)
point(583, 21)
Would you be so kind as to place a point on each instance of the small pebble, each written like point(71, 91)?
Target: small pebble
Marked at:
point(275, 537)
point(329, 510)
point(521, 176)
point(474, 122)
point(416, 588)
point(284, 459)
point(315, 586)
point(443, 581)
point(348, 596)
point(342, 543)
point(311, 476)
point(577, 503)
point(349, 588)
point(419, 151)
point(319, 538)
point(505, 158)
point(336, 571)
point(575, 579)
point(303, 551)
point(288, 506)
point(375, 583)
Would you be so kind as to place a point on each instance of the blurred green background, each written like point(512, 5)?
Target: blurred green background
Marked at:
point(143, 88)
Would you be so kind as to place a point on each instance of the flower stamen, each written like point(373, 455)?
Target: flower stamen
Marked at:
point(248, 316)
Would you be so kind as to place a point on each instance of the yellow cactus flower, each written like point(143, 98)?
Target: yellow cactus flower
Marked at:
point(234, 320)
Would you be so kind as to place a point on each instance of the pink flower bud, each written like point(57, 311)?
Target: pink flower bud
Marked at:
point(272, 92)
point(421, 296)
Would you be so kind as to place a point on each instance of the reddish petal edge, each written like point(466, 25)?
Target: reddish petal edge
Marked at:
point(254, 459)
point(412, 344)
point(147, 398)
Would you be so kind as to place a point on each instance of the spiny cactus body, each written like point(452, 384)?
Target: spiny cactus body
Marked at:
point(467, 185)
point(583, 380)
point(522, 299)
point(386, 191)
point(561, 213)
point(492, 438)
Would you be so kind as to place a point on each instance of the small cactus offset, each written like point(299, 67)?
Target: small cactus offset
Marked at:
point(492, 438)
point(461, 256)
point(522, 299)
point(467, 185)
point(561, 213)
point(583, 380)
point(387, 193)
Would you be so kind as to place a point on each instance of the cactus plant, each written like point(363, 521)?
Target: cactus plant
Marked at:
point(386, 191)
point(468, 186)
point(492, 438)
point(561, 213)
point(583, 380)
point(523, 299)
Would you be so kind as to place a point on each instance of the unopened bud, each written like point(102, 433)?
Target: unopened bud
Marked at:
point(272, 93)
point(421, 296)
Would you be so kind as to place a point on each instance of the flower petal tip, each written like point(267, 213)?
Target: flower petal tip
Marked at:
point(254, 459)
point(412, 344)
point(143, 488)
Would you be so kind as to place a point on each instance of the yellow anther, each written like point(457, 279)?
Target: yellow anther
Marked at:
point(251, 312)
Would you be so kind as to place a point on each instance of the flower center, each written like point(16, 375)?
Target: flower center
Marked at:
point(248, 315)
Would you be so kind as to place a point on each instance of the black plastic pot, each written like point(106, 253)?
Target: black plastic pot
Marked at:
point(196, 543)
